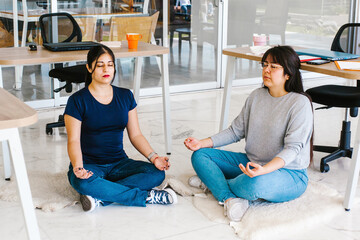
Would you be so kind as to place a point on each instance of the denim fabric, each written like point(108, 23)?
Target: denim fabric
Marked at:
point(220, 172)
point(125, 182)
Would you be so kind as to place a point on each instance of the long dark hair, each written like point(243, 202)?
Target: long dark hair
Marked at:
point(92, 56)
point(289, 60)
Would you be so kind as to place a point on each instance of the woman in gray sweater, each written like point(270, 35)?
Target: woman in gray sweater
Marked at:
point(276, 123)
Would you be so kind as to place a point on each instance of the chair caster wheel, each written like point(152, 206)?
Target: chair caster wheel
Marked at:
point(49, 131)
point(324, 168)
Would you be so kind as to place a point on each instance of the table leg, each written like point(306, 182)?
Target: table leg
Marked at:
point(137, 77)
point(18, 77)
point(353, 172)
point(227, 93)
point(153, 41)
point(56, 95)
point(166, 101)
point(6, 156)
point(24, 33)
point(12, 135)
point(25, 23)
point(15, 24)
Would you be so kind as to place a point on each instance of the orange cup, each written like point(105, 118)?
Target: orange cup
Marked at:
point(133, 39)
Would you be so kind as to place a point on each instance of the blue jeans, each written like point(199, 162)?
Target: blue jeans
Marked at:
point(220, 172)
point(184, 8)
point(125, 182)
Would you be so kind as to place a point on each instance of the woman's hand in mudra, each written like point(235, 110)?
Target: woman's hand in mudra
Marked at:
point(192, 144)
point(256, 169)
point(82, 173)
point(161, 163)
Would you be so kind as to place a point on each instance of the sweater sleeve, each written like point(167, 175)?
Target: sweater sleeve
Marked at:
point(234, 133)
point(298, 131)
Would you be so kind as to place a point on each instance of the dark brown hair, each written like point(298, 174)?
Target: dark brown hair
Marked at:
point(93, 55)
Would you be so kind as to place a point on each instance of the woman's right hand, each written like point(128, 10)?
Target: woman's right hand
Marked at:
point(82, 173)
point(193, 144)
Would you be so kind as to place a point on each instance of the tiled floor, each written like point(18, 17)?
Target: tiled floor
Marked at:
point(193, 114)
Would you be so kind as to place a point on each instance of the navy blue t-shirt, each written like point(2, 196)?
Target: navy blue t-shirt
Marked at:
point(102, 126)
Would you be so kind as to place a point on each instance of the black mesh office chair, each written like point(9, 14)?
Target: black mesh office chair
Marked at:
point(62, 27)
point(339, 96)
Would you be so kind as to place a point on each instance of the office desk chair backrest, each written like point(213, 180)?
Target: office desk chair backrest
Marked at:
point(341, 41)
point(339, 96)
point(59, 27)
point(62, 27)
point(145, 25)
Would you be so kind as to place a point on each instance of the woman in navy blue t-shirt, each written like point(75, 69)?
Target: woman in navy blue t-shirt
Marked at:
point(95, 119)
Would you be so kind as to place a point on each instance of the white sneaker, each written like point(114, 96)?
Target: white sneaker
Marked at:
point(89, 203)
point(196, 182)
point(235, 208)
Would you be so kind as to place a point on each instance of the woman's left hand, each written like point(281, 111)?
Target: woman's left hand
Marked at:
point(257, 169)
point(161, 163)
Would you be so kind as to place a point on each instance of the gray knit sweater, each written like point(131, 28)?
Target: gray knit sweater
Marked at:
point(272, 127)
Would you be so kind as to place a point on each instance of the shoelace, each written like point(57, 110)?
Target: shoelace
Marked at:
point(97, 202)
point(157, 197)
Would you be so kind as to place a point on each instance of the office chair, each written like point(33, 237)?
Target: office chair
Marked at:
point(62, 27)
point(339, 96)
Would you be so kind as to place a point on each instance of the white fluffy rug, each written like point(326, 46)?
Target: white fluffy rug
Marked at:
point(265, 220)
point(50, 192)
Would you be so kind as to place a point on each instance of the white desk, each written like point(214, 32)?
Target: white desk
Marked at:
point(15, 114)
point(22, 56)
point(329, 69)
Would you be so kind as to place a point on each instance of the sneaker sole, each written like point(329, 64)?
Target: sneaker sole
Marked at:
point(85, 202)
point(237, 212)
point(199, 185)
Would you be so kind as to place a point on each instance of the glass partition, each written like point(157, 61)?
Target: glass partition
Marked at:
point(193, 32)
point(306, 23)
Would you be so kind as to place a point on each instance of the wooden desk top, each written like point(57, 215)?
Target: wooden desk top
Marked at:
point(328, 68)
point(14, 113)
point(22, 55)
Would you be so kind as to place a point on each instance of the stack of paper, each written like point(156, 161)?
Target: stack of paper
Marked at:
point(348, 65)
point(111, 44)
point(305, 58)
point(259, 50)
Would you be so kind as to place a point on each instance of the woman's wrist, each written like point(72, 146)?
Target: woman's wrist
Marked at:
point(77, 169)
point(152, 156)
point(206, 143)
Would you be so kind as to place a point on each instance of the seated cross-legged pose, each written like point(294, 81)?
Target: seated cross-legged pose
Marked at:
point(277, 124)
point(95, 119)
